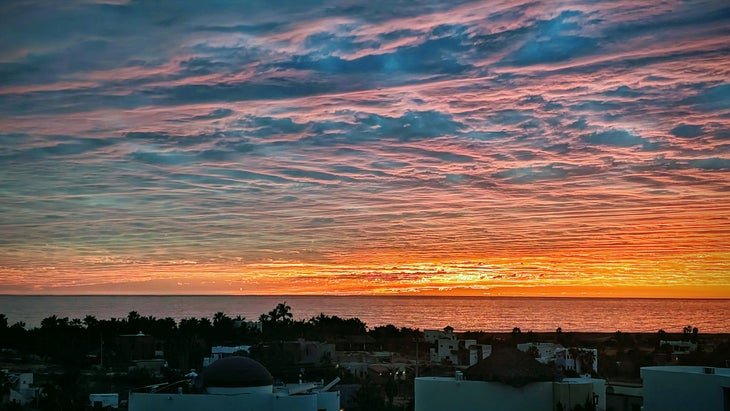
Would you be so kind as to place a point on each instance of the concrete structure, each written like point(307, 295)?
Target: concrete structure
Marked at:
point(237, 384)
point(153, 366)
point(545, 351)
point(624, 396)
point(139, 346)
point(222, 351)
point(104, 400)
point(21, 387)
point(478, 352)
point(686, 388)
point(251, 325)
point(432, 336)
point(580, 360)
point(310, 352)
point(358, 362)
point(446, 393)
point(679, 347)
point(450, 349)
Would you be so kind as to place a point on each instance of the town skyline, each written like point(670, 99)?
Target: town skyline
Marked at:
point(504, 148)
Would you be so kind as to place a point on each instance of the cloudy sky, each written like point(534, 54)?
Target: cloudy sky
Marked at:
point(435, 147)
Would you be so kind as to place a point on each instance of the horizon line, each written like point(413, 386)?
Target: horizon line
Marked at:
point(395, 295)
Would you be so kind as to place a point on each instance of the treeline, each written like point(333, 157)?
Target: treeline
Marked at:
point(90, 341)
point(80, 352)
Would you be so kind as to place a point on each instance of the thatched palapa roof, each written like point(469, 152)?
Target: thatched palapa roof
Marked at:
point(510, 366)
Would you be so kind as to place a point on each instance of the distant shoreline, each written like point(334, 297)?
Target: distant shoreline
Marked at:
point(372, 296)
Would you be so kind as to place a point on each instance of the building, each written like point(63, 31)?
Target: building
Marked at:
point(624, 396)
point(236, 384)
point(309, 352)
point(222, 351)
point(139, 346)
point(580, 360)
point(453, 393)
point(99, 401)
point(508, 380)
point(679, 347)
point(544, 352)
point(432, 336)
point(21, 388)
point(251, 325)
point(452, 350)
point(686, 388)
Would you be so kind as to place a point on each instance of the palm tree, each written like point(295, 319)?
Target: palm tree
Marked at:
point(281, 312)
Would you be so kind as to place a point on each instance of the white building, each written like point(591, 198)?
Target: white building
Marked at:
point(21, 387)
point(679, 347)
point(238, 384)
point(580, 360)
point(686, 388)
point(431, 336)
point(447, 393)
point(222, 351)
point(104, 400)
point(448, 348)
point(545, 351)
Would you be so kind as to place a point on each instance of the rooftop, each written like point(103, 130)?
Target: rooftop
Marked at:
point(690, 369)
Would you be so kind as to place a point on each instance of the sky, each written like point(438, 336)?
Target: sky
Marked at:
point(503, 148)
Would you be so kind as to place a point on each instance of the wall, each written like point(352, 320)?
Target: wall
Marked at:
point(445, 394)
point(206, 402)
point(684, 388)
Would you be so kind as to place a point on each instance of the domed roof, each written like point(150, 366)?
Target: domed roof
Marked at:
point(236, 372)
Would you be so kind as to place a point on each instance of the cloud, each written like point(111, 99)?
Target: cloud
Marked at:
point(615, 138)
point(712, 98)
point(687, 130)
point(345, 137)
point(554, 40)
point(714, 163)
point(437, 55)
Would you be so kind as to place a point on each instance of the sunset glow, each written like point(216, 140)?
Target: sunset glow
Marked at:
point(498, 148)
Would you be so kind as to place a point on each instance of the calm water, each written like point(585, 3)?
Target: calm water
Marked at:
point(462, 313)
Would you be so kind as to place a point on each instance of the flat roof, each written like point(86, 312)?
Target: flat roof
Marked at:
point(689, 369)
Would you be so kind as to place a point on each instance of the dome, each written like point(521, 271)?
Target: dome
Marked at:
point(236, 372)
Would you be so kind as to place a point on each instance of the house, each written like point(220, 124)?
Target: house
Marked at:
point(624, 396)
point(542, 351)
point(448, 348)
point(309, 352)
point(236, 384)
point(580, 360)
point(679, 347)
point(104, 400)
point(686, 388)
point(222, 351)
point(139, 346)
point(21, 389)
point(507, 380)
point(432, 336)
point(358, 362)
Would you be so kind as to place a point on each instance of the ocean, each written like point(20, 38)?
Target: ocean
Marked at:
point(492, 314)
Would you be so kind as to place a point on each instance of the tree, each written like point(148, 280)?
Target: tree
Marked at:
point(281, 313)
point(90, 322)
point(223, 327)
